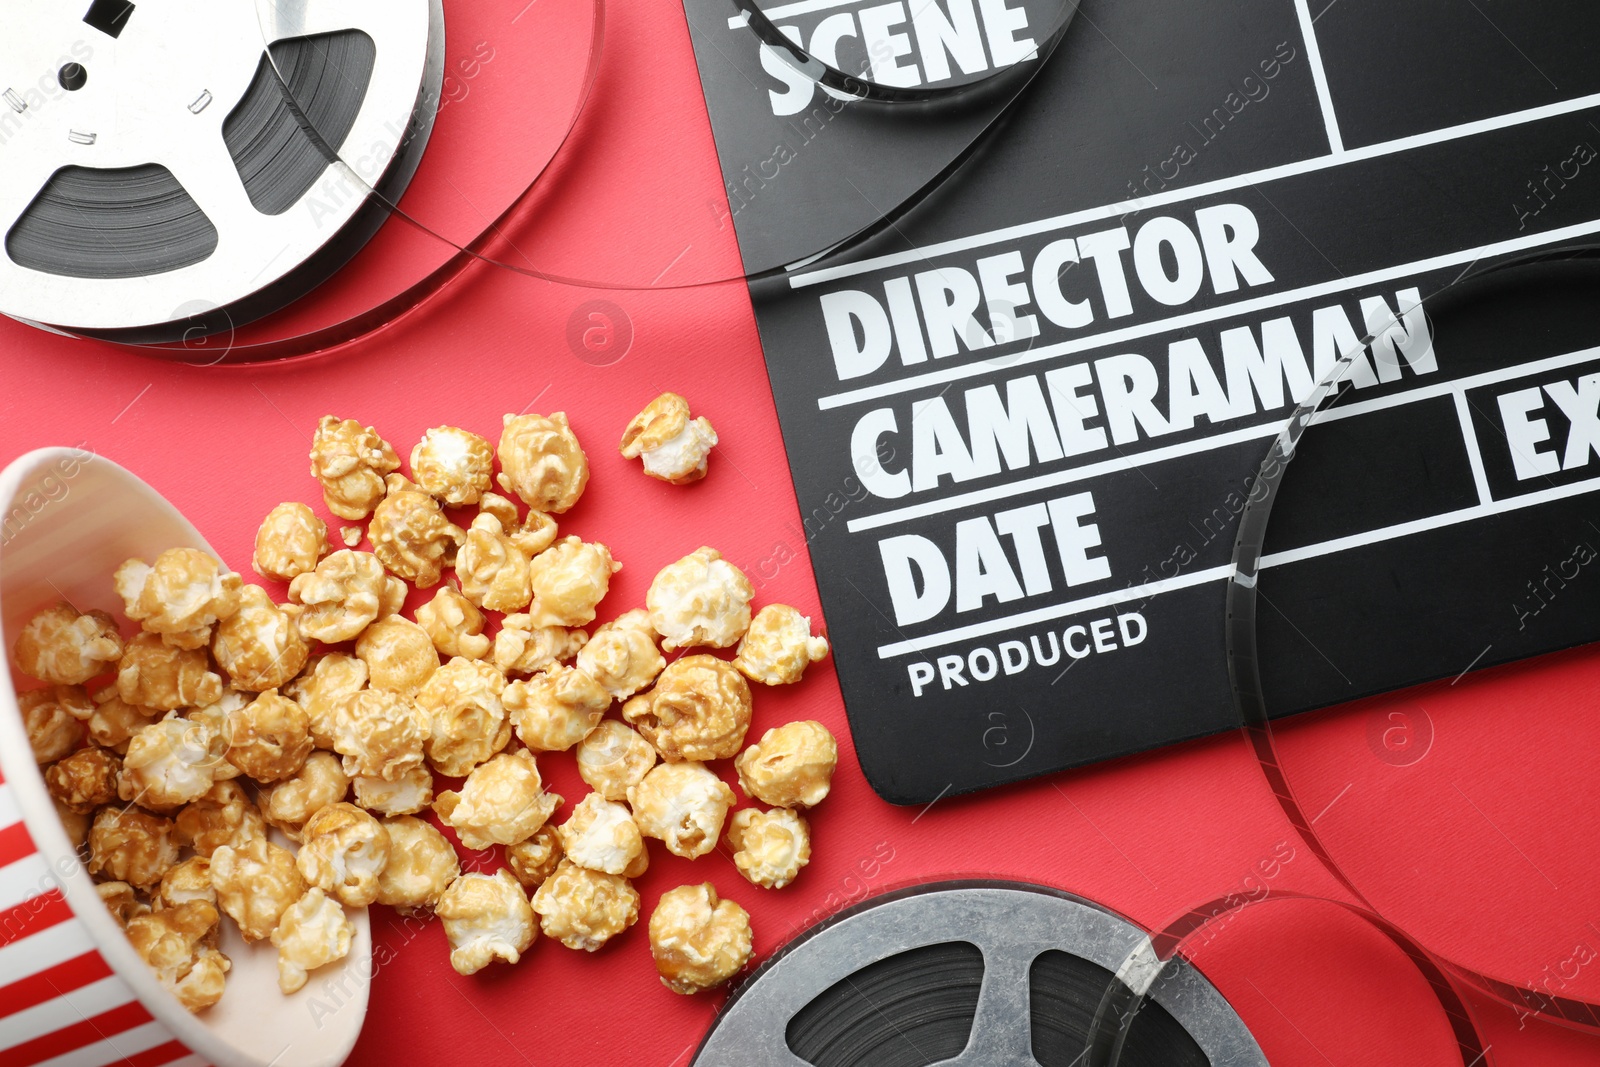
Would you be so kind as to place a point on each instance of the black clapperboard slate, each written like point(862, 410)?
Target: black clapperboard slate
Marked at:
point(1023, 542)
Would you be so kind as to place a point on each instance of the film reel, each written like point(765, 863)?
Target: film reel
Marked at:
point(176, 178)
point(985, 973)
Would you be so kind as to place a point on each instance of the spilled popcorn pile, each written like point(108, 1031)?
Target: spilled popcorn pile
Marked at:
point(268, 762)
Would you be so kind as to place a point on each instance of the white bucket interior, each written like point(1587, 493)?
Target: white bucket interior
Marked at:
point(67, 519)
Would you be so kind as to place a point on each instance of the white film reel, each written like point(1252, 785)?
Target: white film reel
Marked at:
point(156, 167)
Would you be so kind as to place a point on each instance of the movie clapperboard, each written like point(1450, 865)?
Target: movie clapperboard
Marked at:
point(1025, 414)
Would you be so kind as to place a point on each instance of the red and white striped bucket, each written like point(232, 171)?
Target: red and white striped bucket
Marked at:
point(62, 1002)
point(73, 993)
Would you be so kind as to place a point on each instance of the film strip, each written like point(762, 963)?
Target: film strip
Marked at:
point(1570, 273)
point(313, 88)
point(1558, 284)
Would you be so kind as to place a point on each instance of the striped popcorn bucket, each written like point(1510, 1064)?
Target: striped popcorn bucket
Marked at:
point(73, 993)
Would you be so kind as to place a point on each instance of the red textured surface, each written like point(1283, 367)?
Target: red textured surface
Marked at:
point(640, 199)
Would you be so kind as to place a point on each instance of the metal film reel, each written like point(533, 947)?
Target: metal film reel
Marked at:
point(999, 974)
point(173, 166)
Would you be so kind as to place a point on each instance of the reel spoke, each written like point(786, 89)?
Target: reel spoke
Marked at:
point(1001, 1030)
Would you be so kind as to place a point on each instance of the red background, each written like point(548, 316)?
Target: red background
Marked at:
point(636, 196)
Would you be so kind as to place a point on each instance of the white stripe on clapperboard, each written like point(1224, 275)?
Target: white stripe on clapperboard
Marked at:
point(1486, 508)
point(1319, 76)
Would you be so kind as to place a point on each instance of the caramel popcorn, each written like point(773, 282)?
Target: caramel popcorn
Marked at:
point(535, 859)
point(523, 648)
point(493, 571)
point(351, 535)
point(350, 461)
point(122, 901)
point(343, 850)
point(453, 465)
point(84, 780)
point(410, 535)
point(556, 709)
point(288, 804)
point(256, 883)
point(312, 933)
point(487, 918)
point(542, 462)
point(114, 721)
point(769, 847)
point(601, 836)
point(170, 763)
point(131, 845)
point(791, 766)
point(156, 675)
point(63, 647)
point(699, 710)
point(532, 535)
point(468, 721)
point(215, 717)
point(698, 941)
point(614, 759)
point(188, 881)
point(380, 734)
point(342, 596)
point(181, 596)
point(700, 600)
point(582, 908)
point(622, 655)
point(407, 795)
point(778, 647)
point(269, 738)
point(393, 597)
point(502, 802)
point(224, 816)
point(682, 805)
point(454, 623)
point(399, 655)
point(421, 865)
point(289, 543)
point(51, 718)
point(569, 579)
point(321, 690)
point(639, 866)
point(174, 944)
point(673, 445)
point(260, 646)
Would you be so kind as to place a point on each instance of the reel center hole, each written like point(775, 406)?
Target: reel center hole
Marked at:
point(72, 77)
point(110, 17)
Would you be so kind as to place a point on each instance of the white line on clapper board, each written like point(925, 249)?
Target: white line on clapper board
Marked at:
point(1319, 76)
